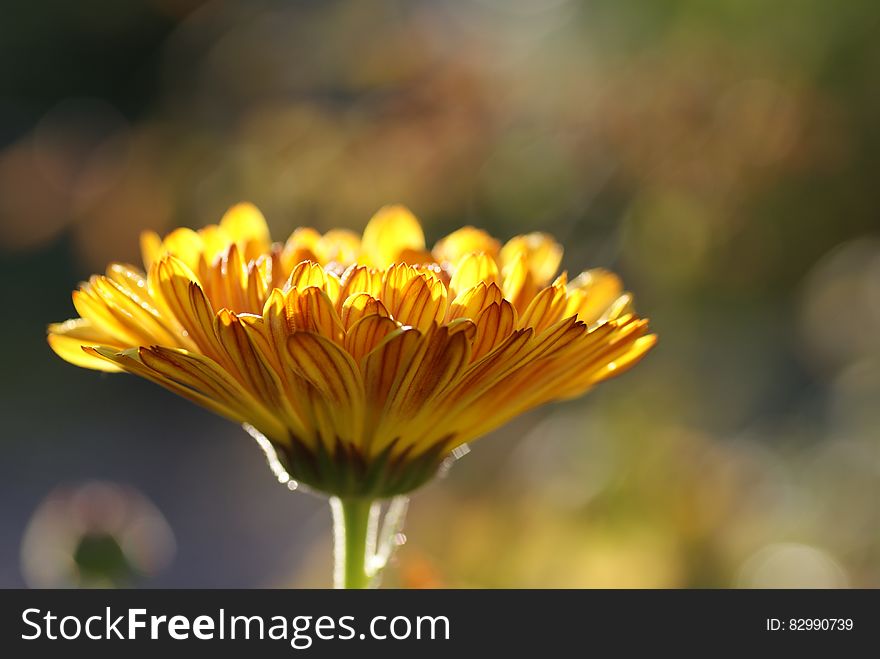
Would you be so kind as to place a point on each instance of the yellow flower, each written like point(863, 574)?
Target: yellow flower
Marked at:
point(365, 360)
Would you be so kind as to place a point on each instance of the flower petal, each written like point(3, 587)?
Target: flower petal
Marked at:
point(245, 224)
point(473, 269)
point(305, 274)
point(359, 279)
point(391, 230)
point(184, 244)
point(494, 324)
point(545, 308)
point(68, 338)
point(360, 306)
point(465, 241)
point(338, 245)
point(186, 302)
point(436, 365)
point(591, 293)
point(311, 310)
point(423, 302)
point(382, 368)
point(151, 247)
point(366, 334)
point(301, 246)
point(244, 361)
point(470, 303)
point(335, 375)
point(542, 254)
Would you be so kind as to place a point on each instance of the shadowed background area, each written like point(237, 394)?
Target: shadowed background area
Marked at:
point(722, 157)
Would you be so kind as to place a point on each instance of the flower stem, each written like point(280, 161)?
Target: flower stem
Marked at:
point(354, 536)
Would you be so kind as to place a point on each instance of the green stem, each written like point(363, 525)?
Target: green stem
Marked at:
point(354, 535)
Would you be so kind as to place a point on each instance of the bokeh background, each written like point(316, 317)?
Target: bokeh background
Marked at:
point(723, 157)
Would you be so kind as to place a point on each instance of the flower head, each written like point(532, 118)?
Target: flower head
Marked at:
point(365, 360)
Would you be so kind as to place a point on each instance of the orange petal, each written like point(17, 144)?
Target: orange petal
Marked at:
point(130, 360)
point(134, 312)
point(301, 246)
point(494, 324)
point(259, 282)
point(68, 338)
point(394, 283)
point(383, 364)
point(360, 306)
point(465, 241)
point(543, 255)
point(423, 302)
point(187, 302)
point(389, 232)
point(246, 363)
point(360, 279)
point(305, 274)
point(437, 363)
point(545, 308)
point(151, 247)
point(334, 373)
point(591, 293)
point(184, 244)
point(311, 310)
point(89, 304)
point(470, 303)
point(473, 269)
point(338, 245)
point(366, 334)
point(245, 224)
point(518, 282)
